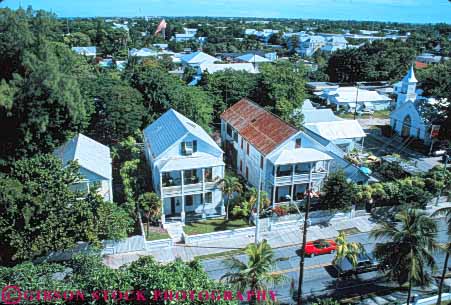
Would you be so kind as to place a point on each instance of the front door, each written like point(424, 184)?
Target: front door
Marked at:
point(172, 205)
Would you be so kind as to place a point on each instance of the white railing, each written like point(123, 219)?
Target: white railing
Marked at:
point(200, 238)
point(171, 191)
point(300, 178)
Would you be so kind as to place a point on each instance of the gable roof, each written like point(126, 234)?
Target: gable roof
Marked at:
point(90, 155)
point(349, 95)
point(169, 128)
point(344, 129)
point(264, 130)
point(251, 58)
point(319, 115)
point(213, 68)
point(198, 58)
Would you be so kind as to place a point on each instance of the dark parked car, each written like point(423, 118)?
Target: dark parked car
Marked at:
point(365, 263)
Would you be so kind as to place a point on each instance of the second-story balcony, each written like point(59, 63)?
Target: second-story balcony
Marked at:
point(190, 181)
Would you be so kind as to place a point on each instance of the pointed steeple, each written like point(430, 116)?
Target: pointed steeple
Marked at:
point(410, 76)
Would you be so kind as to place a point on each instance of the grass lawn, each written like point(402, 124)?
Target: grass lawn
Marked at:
point(380, 114)
point(155, 233)
point(157, 236)
point(214, 225)
point(220, 254)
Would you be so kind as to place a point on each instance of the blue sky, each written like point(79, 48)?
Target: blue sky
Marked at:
point(417, 11)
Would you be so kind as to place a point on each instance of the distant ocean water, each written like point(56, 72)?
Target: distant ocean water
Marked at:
point(414, 11)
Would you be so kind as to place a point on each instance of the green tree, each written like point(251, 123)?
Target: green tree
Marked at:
point(40, 213)
point(407, 254)
point(257, 272)
point(229, 86)
point(446, 248)
point(230, 185)
point(338, 193)
point(151, 205)
point(282, 87)
point(379, 60)
point(119, 112)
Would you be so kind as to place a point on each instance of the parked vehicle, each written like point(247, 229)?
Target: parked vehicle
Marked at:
point(320, 246)
point(365, 263)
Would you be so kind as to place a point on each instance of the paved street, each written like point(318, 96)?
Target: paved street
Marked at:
point(320, 278)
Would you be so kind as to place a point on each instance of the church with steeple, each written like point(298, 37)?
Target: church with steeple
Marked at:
point(415, 116)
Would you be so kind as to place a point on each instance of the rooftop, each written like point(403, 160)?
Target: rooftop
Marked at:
point(169, 128)
point(264, 130)
point(299, 155)
point(90, 155)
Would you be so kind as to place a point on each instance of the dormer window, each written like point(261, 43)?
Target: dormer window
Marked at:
point(189, 147)
point(298, 143)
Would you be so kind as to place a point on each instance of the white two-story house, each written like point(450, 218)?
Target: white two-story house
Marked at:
point(262, 147)
point(187, 167)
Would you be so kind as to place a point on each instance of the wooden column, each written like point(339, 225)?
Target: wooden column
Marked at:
point(182, 214)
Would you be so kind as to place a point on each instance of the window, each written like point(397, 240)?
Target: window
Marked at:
point(187, 148)
point(241, 166)
point(247, 149)
point(247, 172)
point(194, 145)
point(208, 174)
point(189, 200)
point(235, 136)
point(209, 197)
point(229, 129)
point(298, 143)
point(242, 143)
point(261, 162)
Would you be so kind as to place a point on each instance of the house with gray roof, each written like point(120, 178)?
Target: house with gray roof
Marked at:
point(195, 59)
point(187, 167)
point(94, 160)
point(85, 51)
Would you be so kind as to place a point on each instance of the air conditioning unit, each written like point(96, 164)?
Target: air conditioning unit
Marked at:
point(188, 150)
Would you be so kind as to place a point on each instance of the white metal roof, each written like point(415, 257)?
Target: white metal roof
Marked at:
point(169, 128)
point(197, 160)
point(198, 58)
point(251, 58)
point(299, 155)
point(90, 154)
point(344, 129)
point(346, 95)
point(213, 68)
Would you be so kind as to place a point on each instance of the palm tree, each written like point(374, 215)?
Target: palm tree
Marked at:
point(347, 250)
point(151, 205)
point(230, 185)
point(406, 254)
point(446, 247)
point(257, 272)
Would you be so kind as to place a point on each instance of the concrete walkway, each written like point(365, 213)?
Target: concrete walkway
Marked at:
point(282, 237)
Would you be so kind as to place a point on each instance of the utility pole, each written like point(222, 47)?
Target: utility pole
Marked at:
point(304, 241)
point(257, 220)
point(446, 156)
point(356, 100)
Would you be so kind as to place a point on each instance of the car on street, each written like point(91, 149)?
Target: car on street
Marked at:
point(320, 246)
point(365, 263)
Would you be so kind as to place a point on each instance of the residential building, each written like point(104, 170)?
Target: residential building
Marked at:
point(94, 160)
point(213, 68)
point(196, 58)
point(308, 45)
point(416, 116)
point(348, 98)
point(262, 35)
point(346, 134)
point(85, 51)
point(252, 58)
point(319, 87)
point(334, 43)
point(187, 167)
point(262, 147)
point(144, 52)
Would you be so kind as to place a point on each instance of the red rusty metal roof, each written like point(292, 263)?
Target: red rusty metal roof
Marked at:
point(264, 130)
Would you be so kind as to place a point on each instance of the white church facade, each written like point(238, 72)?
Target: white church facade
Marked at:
point(414, 115)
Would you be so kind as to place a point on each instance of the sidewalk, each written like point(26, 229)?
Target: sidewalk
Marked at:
point(283, 237)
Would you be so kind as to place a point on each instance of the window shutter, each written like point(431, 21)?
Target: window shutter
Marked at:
point(194, 145)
